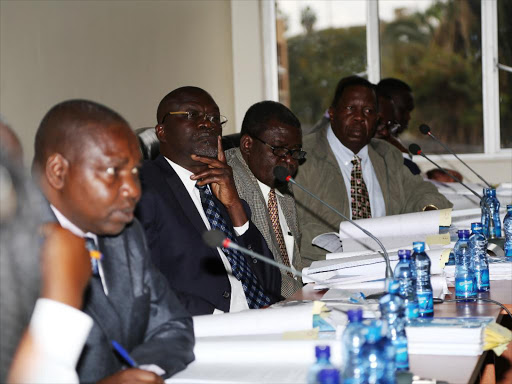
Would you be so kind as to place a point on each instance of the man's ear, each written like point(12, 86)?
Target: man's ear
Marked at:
point(160, 133)
point(56, 170)
point(331, 113)
point(246, 142)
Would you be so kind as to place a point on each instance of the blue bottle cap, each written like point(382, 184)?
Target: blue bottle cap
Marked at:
point(393, 286)
point(487, 191)
point(476, 227)
point(355, 315)
point(404, 254)
point(418, 246)
point(463, 233)
point(509, 207)
point(322, 352)
point(492, 192)
point(329, 376)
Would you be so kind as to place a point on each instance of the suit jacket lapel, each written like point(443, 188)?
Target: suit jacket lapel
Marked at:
point(381, 171)
point(181, 195)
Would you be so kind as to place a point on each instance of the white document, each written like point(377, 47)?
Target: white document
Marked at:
point(256, 321)
point(420, 224)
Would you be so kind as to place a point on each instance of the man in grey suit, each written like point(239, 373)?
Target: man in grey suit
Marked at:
point(360, 176)
point(271, 136)
point(86, 163)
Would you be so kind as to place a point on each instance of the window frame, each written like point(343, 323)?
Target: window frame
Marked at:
point(490, 69)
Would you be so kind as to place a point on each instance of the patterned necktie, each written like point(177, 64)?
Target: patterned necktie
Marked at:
point(254, 294)
point(274, 217)
point(91, 246)
point(359, 197)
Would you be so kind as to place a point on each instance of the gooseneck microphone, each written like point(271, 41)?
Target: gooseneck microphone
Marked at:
point(282, 174)
point(425, 129)
point(215, 238)
point(416, 150)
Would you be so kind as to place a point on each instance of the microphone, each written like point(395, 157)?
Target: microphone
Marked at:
point(282, 174)
point(215, 238)
point(416, 150)
point(425, 129)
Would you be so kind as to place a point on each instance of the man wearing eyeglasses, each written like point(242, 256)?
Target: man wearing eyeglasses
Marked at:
point(189, 189)
point(271, 136)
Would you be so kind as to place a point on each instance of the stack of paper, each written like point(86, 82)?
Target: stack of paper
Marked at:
point(497, 271)
point(462, 336)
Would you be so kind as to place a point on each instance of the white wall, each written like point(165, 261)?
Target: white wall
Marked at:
point(125, 54)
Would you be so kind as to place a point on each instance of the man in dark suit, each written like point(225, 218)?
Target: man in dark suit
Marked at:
point(189, 189)
point(271, 136)
point(86, 163)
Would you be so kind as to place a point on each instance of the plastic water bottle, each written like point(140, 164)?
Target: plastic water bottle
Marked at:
point(323, 354)
point(507, 227)
point(377, 357)
point(392, 309)
point(352, 340)
point(423, 284)
point(485, 212)
point(478, 249)
point(403, 273)
point(329, 376)
point(494, 207)
point(465, 281)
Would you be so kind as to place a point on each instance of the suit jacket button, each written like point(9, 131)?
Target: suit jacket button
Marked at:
point(254, 260)
point(226, 294)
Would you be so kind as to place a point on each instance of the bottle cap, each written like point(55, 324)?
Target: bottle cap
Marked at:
point(329, 376)
point(404, 254)
point(355, 315)
point(492, 192)
point(393, 286)
point(322, 351)
point(463, 233)
point(418, 246)
point(476, 227)
point(509, 207)
point(487, 191)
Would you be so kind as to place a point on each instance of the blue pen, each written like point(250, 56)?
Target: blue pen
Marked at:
point(124, 354)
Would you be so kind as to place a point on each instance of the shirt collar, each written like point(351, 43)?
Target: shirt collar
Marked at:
point(265, 189)
point(345, 154)
point(66, 224)
point(184, 175)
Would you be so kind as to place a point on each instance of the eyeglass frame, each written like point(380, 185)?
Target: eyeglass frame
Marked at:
point(302, 153)
point(205, 116)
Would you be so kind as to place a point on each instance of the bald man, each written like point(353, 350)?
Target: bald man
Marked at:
point(86, 163)
point(189, 189)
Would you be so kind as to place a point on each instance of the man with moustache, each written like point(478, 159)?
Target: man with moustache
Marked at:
point(189, 189)
point(271, 136)
point(360, 176)
point(86, 163)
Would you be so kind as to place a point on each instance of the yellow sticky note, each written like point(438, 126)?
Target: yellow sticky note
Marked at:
point(442, 239)
point(318, 307)
point(445, 256)
point(445, 217)
point(310, 334)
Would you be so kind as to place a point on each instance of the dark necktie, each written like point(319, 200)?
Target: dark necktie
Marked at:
point(254, 294)
point(359, 197)
point(97, 268)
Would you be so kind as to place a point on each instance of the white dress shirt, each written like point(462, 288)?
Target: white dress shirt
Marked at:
point(238, 300)
point(287, 235)
point(344, 157)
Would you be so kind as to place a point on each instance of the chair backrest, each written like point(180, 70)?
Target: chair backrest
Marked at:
point(150, 146)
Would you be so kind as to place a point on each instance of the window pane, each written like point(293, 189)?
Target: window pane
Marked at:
point(319, 42)
point(435, 47)
point(505, 58)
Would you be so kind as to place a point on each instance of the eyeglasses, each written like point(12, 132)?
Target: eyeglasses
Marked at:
point(297, 154)
point(197, 116)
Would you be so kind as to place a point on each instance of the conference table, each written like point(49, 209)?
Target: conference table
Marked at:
point(456, 369)
point(442, 368)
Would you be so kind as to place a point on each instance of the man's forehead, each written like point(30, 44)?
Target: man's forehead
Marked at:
point(358, 92)
point(196, 98)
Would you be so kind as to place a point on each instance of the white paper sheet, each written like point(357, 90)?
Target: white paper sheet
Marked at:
point(255, 321)
point(419, 224)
